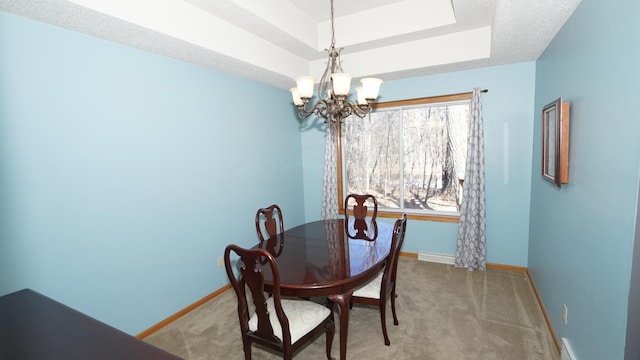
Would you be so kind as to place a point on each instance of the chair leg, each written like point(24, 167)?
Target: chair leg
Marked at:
point(287, 354)
point(383, 320)
point(393, 305)
point(329, 332)
point(287, 351)
point(246, 346)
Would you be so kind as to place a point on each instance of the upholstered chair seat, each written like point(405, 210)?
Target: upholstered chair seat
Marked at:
point(371, 289)
point(303, 316)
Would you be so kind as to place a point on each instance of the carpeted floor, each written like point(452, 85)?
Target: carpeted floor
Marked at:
point(445, 314)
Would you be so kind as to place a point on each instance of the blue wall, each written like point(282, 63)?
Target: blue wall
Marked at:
point(124, 174)
point(581, 236)
point(508, 119)
point(114, 172)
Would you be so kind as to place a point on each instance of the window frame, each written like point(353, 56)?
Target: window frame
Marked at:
point(451, 218)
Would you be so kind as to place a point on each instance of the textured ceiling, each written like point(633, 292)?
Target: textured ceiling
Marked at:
point(273, 41)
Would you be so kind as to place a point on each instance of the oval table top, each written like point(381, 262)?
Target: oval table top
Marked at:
point(319, 258)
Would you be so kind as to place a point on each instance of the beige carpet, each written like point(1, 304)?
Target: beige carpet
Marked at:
point(444, 313)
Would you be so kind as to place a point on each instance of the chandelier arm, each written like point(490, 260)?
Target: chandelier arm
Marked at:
point(324, 86)
point(319, 108)
point(337, 62)
point(357, 109)
point(345, 112)
point(334, 107)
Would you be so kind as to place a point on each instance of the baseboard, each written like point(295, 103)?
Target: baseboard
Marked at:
point(182, 312)
point(436, 258)
point(507, 267)
point(544, 313)
point(410, 255)
point(450, 260)
point(566, 353)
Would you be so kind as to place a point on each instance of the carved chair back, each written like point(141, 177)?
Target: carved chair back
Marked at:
point(270, 228)
point(364, 226)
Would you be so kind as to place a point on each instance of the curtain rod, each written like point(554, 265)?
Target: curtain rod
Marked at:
point(468, 93)
point(425, 100)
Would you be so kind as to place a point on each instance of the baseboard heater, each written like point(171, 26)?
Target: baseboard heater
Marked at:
point(436, 258)
point(566, 353)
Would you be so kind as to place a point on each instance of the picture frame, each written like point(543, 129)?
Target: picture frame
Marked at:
point(555, 142)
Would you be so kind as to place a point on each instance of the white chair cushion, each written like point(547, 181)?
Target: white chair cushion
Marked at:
point(303, 316)
point(370, 289)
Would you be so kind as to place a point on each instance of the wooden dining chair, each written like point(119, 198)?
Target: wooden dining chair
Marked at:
point(364, 226)
point(280, 324)
point(383, 286)
point(270, 228)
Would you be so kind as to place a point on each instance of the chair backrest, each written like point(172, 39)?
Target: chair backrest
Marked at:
point(250, 276)
point(270, 227)
point(355, 203)
point(397, 238)
point(359, 208)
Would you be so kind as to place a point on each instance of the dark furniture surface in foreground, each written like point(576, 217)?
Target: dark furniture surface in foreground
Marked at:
point(34, 327)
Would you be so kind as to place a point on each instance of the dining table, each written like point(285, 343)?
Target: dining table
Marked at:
point(324, 259)
point(36, 327)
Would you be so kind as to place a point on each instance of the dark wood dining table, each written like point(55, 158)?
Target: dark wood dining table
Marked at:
point(35, 327)
point(319, 259)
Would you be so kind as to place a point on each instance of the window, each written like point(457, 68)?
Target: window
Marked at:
point(409, 154)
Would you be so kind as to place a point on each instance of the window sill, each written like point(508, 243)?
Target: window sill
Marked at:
point(422, 217)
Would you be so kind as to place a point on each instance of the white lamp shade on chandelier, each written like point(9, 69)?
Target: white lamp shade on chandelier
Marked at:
point(305, 86)
point(341, 86)
point(371, 88)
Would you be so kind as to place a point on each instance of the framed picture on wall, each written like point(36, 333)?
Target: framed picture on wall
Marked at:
point(555, 142)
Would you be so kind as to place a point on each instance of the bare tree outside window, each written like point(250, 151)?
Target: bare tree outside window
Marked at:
point(371, 153)
point(410, 157)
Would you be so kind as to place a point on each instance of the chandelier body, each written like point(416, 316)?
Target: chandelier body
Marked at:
point(333, 102)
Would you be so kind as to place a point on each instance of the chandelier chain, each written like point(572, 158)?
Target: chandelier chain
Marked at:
point(333, 31)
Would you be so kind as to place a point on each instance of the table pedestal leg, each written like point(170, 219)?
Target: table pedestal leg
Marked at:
point(344, 303)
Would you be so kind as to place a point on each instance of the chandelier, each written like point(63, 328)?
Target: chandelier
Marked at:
point(333, 102)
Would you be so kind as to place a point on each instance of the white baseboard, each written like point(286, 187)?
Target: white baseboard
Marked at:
point(436, 258)
point(566, 353)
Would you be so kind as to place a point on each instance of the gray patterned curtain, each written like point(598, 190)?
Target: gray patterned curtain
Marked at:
point(471, 250)
point(330, 180)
